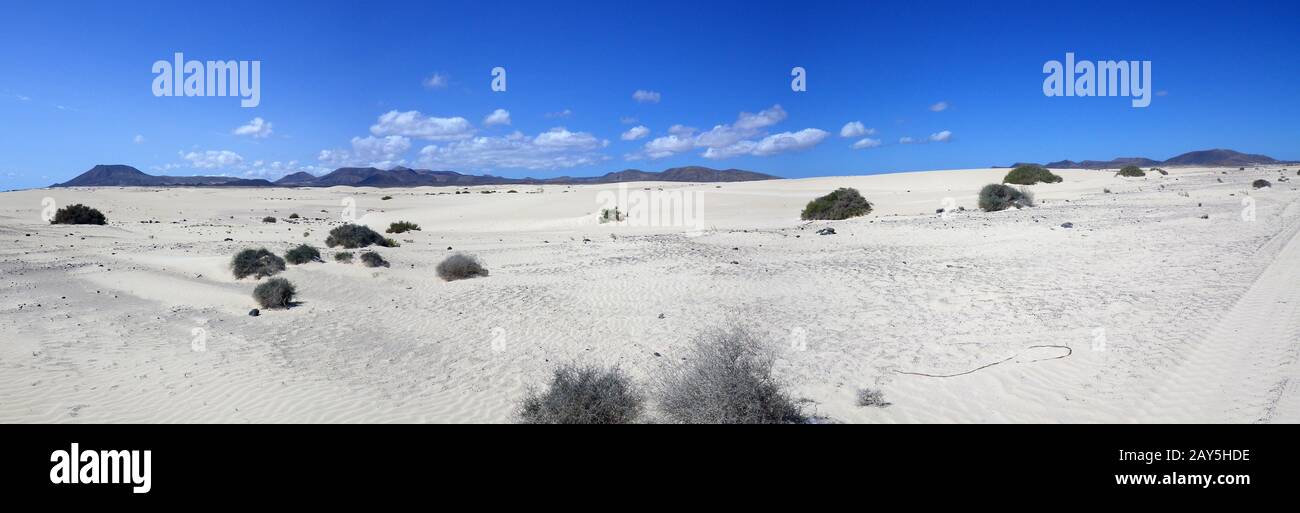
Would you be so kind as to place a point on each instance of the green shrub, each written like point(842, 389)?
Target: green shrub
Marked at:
point(1132, 171)
point(611, 214)
point(275, 293)
point(1261, 183)
point(344, 257)
point(584, 395)
point(268, 219)
point(995, 196)
point(294, 216)
point(302, 254)
point(1030, 175)
point(78, 214)
point(727, 379)
point(843, 203)
point(352, 236)
point(258, 263)
point(459, 267)
point(372, 259)
point(403, 227)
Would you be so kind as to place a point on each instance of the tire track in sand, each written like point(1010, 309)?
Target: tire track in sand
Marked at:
point(1244, 369)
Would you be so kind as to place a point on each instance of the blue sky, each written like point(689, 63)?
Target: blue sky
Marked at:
point(76, 86)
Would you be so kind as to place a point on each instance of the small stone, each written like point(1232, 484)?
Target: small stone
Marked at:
point(826, 231)
point(661, 316)
point(254, 312)
point(1067, 225)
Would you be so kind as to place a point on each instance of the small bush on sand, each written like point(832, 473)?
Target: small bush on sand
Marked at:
point(584, 395)
point(344, 257)
point(372, 259)
point(403, 227)
point(77, 214)
point(459, 267)
point(1132, 171)
point(1261, 183)
point(611, 214)
point(258, 263)
point(843, 203)
point(1161, 171)
point(294, 216)
point(1030, 175)
point(385, 198)
point(352, 236)
point(727, 379)
point(302, 254)
point(871, 397)
point(268, 219)
point(995, 197)
point(274, 293)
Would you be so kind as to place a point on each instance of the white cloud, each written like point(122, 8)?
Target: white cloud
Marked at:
point(668, 145)
point(939, 107)
point(865, 143)
point(943, 136)
point(435, 81)
point(635, 133)
point(138, 139)
point(856, 129)
point(556, 148)
point(258, 128)
point(790, 141)
point(277, 169)
point(212, 159)
point(643, 96)
point(417, 125)
point(371, 151)
point(497, 117)
point(744, 137)
point(906, 140)
point(558, 115)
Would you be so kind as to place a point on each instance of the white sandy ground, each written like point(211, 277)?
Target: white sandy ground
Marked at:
point(1200, 317)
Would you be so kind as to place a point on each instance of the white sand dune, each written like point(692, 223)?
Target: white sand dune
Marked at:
point(1142, 312)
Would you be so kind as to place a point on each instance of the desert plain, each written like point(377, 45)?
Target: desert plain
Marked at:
point(1166, 298)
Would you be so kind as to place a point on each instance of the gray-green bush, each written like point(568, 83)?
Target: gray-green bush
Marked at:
point(726, 378)
point(995, 196)
point(460, 266)
point(1030, 175)
point(584, 395)
point(302, 254)
point(258, 263)
point(275, 293)
point(841, 203)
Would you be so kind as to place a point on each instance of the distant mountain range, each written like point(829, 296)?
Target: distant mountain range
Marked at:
point(1203, 158)
point(127, 176)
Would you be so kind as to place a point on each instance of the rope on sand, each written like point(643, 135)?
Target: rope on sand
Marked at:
point(1068, 352)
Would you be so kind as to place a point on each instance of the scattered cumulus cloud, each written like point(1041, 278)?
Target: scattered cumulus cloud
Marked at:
point(746, 136)
point(138, 139)
point(212, 159)
point(856, 129)
point(370, 151)
point(643, 96)
point(435, 81)
point(939, 107)
point(865, 143)
point(943, 136)
point(906, 140)
point(416, 125)
point(555, 148)
point(258, 128)
point(497, 117)
point(635, 133)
